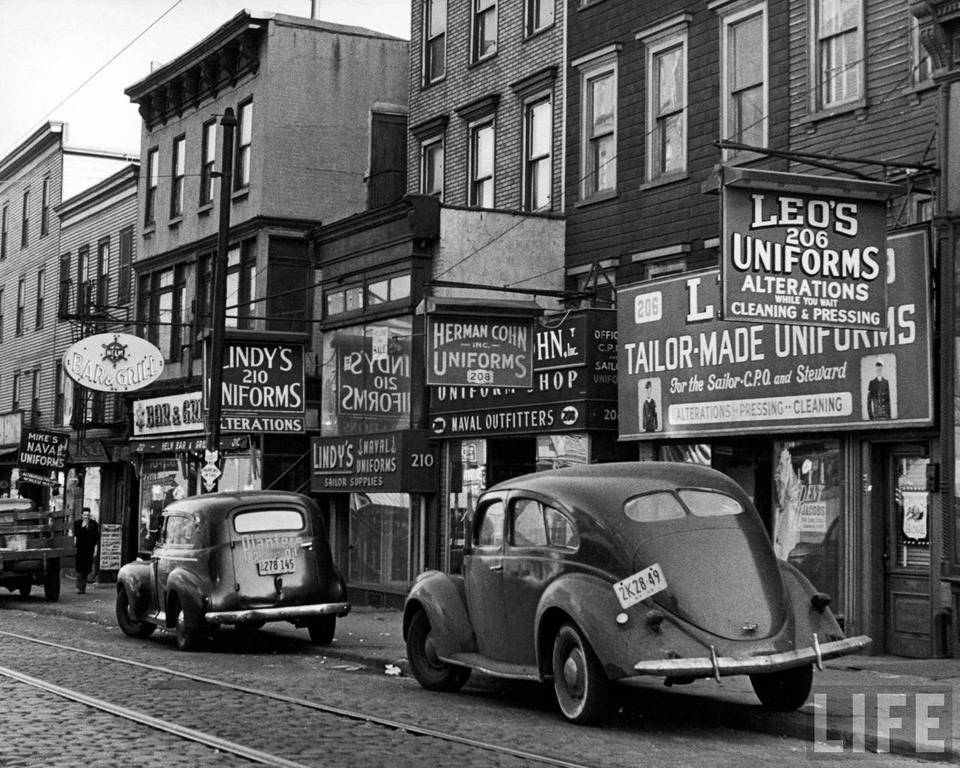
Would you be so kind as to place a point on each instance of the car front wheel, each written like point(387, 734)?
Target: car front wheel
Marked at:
point(128, 625)
point(784, 690)
point(583, 691)
point(430, 672)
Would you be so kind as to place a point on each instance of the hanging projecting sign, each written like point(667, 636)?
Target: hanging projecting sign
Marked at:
point(263, 385)
point(682, 371)
point(479, 351)
point(113, 362)
point(804, 250)
point(40, 454)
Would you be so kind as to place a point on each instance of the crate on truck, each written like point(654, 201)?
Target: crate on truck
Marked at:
point(32, 544)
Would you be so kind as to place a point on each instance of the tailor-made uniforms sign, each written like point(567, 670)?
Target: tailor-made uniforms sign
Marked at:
point(683, 372)
point(804, 250)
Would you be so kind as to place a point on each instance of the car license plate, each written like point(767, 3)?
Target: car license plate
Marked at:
point(274, 565)
point(640, 586)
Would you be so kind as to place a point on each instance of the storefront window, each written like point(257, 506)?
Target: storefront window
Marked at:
point(241, 472)
point(912, 518)
point(808, 519)
point(161, 482)
point(380, 539)
point(556, 451)
point(366, 378)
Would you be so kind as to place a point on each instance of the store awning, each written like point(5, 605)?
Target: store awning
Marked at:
point(187, 443)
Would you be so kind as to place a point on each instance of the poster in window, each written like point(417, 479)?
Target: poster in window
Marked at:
point(914, 512)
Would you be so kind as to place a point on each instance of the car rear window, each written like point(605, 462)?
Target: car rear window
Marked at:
point(259, 520)
point(665, 505)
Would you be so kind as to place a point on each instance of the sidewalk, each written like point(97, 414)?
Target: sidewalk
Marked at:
point(859, 704)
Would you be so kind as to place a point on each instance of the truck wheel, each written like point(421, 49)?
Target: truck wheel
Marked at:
point(51, 582)
point(784, 690)
point(24, 589)
point(130, 626)
point(188, 638)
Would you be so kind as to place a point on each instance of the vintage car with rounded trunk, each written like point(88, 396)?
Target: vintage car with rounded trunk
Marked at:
point(608, 573)
point(244, 559)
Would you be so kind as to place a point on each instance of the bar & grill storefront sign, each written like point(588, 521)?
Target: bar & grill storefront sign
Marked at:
point(684, 372)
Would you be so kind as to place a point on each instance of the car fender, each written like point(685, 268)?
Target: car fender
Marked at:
point(443, 597)
point(807, 619)
point(589, 601)
point(188, 589)
point(134, 579)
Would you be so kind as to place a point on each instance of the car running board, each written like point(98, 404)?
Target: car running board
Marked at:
point(492, 667)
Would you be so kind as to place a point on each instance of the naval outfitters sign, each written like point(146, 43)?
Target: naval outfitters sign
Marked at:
point(113, 362)
point(804, 250)
point(684, 372)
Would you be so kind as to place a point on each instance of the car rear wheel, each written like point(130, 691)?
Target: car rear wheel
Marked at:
point(430, 672)
point(128, 625)
point(784, 690)
point(322, 629)
point(188, 638)
point(583, 691)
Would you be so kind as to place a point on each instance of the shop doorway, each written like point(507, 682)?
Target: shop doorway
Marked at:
point(906, 551)
point(750, 465)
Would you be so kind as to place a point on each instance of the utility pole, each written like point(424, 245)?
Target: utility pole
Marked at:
point(211, 471)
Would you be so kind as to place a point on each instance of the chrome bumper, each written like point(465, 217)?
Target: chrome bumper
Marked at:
point(284, 613)
point(717, 666)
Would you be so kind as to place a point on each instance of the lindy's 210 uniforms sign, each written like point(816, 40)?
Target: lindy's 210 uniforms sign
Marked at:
point(804, 250)
point(684, 372)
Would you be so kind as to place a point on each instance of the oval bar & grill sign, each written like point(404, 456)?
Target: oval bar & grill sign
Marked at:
point(113, 362)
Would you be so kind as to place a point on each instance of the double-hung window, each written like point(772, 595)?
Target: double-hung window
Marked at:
point(482, 162)
point(921, 65)
point(103, 273)
point(2, 292)
point(45, 206)
point(434, 40)
point(837, 52)
point(4, 229)
point(538, 154)
point(150, 196)
point(431, 167)
point(208, 150)
point(484, 29)
point(21, 305)
point(539, 15)
point(66, 286)
point(15, 392)
point(743, 51)
point(241, 171)
point(666, 110)
point(125, 273)
point(598, 114)
point(241, 285)
point(177, 172)
point(25, 220)
point(41, 289)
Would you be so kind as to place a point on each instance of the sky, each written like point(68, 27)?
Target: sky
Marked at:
point(50, 48)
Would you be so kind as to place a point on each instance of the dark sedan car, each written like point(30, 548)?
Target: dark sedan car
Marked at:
point(603, 573)
point(242, 558)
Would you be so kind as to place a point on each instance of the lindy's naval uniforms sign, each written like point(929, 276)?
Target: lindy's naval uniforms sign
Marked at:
point(263, 386)
point(402, 461)
point(683, 372)
point(113, 362)
point(804, 249)
point(479, 351)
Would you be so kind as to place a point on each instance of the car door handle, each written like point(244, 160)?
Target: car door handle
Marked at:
point(498, 567)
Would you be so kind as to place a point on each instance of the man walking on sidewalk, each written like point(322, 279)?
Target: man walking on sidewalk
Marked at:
point(86, 540)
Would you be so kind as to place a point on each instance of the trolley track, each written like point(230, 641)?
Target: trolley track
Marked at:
point(223, 727)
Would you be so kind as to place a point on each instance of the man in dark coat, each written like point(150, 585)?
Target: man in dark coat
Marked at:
point(86, 541)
